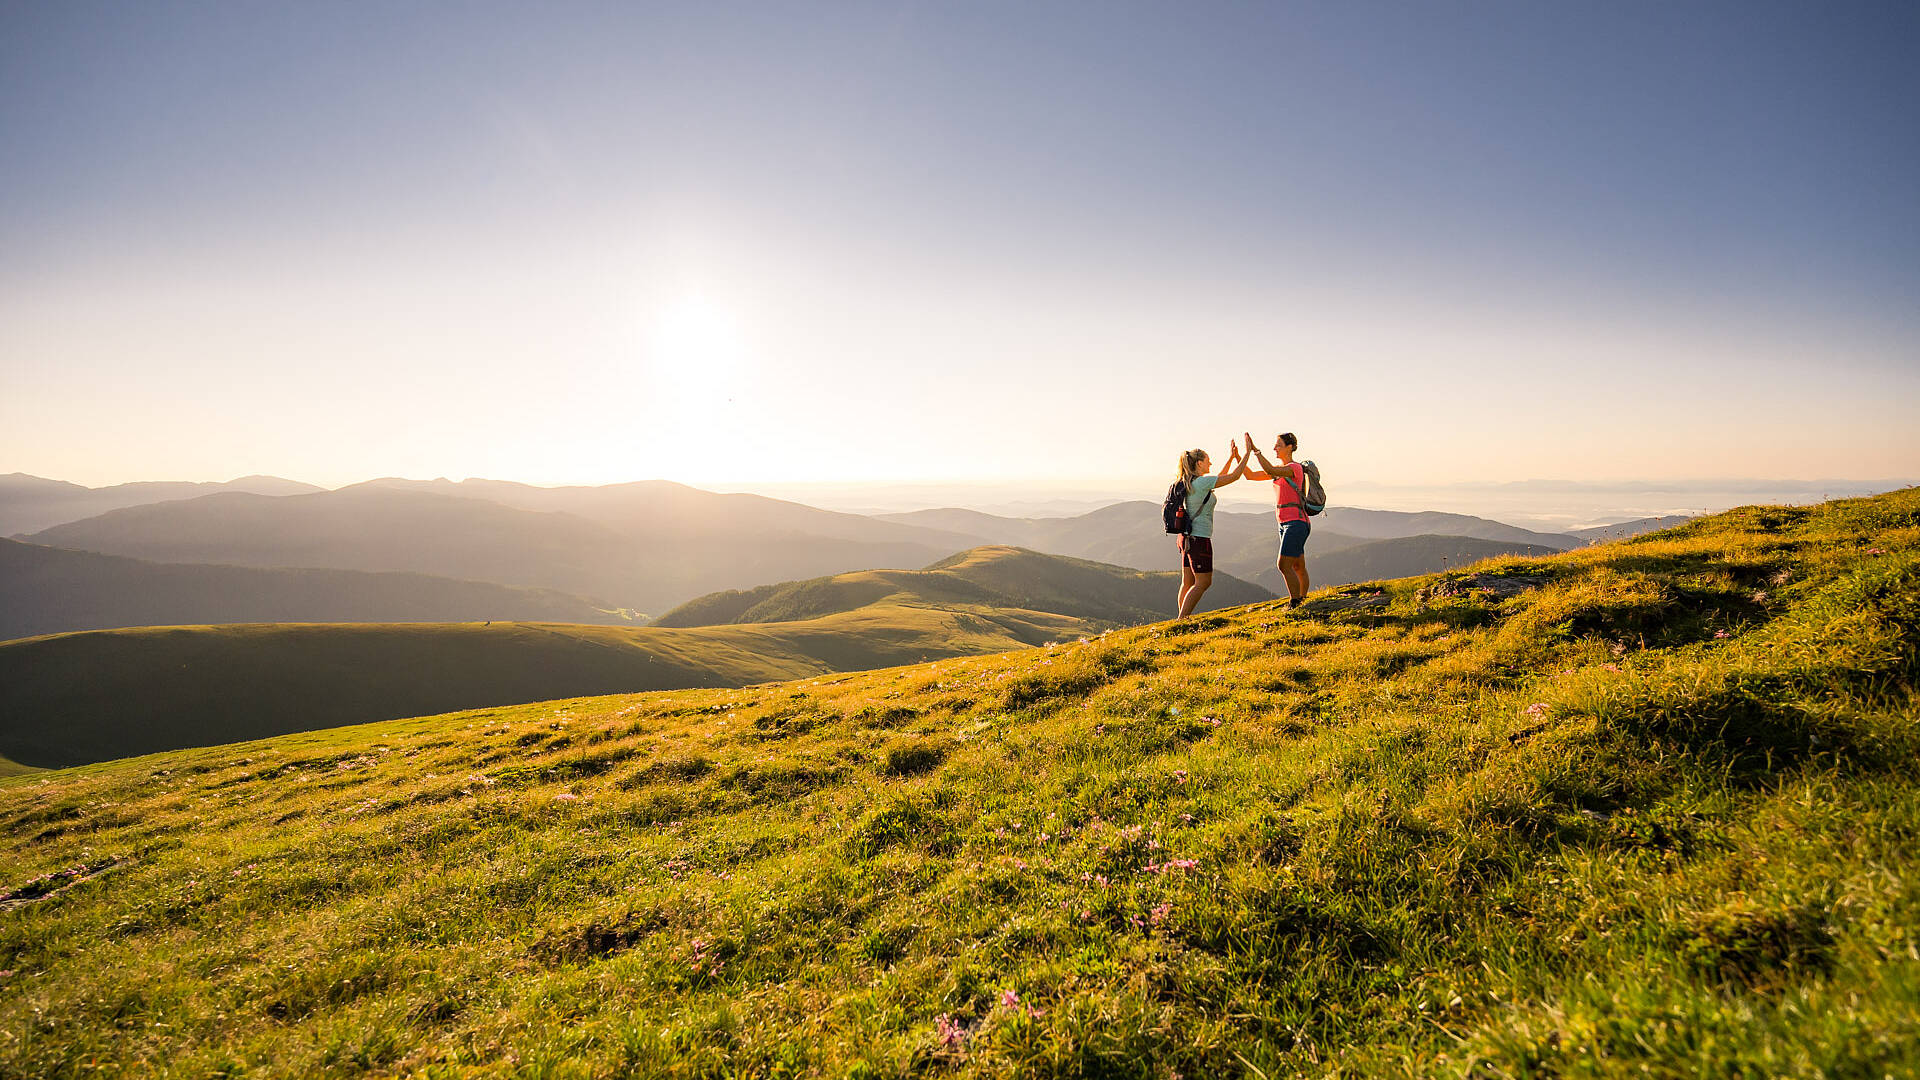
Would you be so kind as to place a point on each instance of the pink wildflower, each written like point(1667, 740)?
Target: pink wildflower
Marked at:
point(1538, 708)
point(1009, 998)
point(1188, 818)
point(1721, 634)
point(1180, 776)
point(565, 796)
point(948, 1031)
point(1160, 912)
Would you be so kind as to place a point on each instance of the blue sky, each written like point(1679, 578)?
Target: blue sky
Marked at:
point(974, 243)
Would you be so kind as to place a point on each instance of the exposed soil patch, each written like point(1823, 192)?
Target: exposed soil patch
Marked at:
point(55, 883)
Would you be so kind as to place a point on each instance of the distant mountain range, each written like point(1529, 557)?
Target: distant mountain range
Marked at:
point(31, 503)
point(47, 590)
point(624, 548)
point(72, 698)
point(644, 547)
point(1406, 556)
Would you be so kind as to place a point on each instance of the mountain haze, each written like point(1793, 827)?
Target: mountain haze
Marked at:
point(1405, 556)
point(31, 503)
point(47, 590)
point(1620, 530)
point(622, 557)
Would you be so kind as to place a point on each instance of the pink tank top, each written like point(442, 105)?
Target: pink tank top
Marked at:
point(1286, 499)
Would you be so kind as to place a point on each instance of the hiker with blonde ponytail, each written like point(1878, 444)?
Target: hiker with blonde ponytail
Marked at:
point(1189, 513)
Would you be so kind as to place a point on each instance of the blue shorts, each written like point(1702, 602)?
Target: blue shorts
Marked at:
point(1293, 538)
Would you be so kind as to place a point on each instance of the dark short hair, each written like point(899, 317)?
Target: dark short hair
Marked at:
point(1292, 443)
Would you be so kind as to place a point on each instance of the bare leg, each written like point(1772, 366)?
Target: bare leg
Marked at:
point(1186, 583)
point(1191, 598)
point(1294, 569)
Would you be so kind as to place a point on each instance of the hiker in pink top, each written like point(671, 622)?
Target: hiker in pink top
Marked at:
point(1290, 509)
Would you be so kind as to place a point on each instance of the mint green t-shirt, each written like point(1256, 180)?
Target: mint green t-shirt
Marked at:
point(1200, 502)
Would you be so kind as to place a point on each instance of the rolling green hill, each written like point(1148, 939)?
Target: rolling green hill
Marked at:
point(995, 577)
point(1642, 809)
point(47, 590)
point(67, 699)
point(72, 698)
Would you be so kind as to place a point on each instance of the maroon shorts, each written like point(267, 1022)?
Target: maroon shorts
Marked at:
point(1196, 554)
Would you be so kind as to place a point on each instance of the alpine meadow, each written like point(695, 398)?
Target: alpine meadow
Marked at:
point(972, 540)
point(1646, 808)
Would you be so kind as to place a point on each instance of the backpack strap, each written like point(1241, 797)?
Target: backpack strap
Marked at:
point(1299, 495)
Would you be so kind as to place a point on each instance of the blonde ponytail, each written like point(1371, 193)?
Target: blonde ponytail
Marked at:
point(1190, 465)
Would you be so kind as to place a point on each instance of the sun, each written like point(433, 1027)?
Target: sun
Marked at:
point(694, 339)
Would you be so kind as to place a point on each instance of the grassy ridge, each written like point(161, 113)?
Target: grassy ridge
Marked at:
point(984, 577)
point(1641, 809)
point(73, 698)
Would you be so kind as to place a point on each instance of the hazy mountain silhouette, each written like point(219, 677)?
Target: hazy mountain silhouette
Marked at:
point(667, 509)
point(47, 590)
point(1405, 556)
point(676, 542)
point(31, 503)
point(1393, 524)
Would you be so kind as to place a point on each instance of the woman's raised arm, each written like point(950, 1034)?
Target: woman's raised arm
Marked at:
point(1235, 466)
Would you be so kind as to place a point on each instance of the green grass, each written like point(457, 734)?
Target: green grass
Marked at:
point(77, 698)
point(1645, 809)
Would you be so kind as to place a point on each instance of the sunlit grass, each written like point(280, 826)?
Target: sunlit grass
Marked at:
point(1645, 809)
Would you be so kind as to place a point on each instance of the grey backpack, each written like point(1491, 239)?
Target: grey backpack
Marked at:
point(1314, 499)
